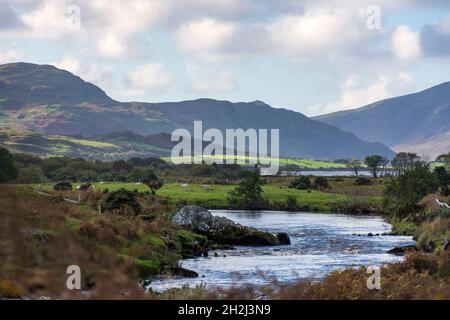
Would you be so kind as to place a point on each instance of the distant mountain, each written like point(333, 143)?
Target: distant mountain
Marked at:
point(114, 147)
point(42, 98)
point(417, 122)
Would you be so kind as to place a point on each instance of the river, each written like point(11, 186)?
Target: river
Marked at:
point(320, 244)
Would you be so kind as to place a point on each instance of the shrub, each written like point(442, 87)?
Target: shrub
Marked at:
point(301, 183)
point(85, 187)
point(321, 183)
point(291, 203)
point(249, 193)
point(363, 181)
point(62, 186)
point(121, 198)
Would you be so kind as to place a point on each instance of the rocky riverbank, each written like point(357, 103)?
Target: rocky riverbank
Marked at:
point(221, 230)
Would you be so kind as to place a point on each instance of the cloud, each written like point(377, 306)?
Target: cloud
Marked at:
point(97, 74)
point(207, 79)
point(206, 38)
point(358, 91)
point(148, 78)
point(11, 54)
point(8, 18)
point(68, 63)
point(52, 19)
point(309, 34)
point(435, 38)
point(405, 44)
point(112, 46)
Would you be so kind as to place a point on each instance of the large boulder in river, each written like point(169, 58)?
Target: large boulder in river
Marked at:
point(221, 229)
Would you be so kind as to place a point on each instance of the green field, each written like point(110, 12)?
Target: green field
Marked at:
point(302, 163)
point(215, 196)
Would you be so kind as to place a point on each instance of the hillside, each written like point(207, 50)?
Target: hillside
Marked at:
point(118, 146)
point(417, 122)
point(45, 99)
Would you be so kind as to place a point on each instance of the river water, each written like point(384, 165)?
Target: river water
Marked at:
point(320, 244)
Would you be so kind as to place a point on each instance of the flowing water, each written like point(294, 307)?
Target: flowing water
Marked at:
point(320, 244)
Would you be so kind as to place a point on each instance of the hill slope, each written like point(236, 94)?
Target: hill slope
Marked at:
point(45, 99)
point(417, 122)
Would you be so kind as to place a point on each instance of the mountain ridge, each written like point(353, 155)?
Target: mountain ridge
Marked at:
point(79, 108)
point(417, 122)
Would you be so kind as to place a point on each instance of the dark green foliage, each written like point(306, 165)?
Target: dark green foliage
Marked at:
point(31, 174)
point(321, 183)
point(363, 181)
point(403, 193)
point(85, 187)
point(291, 203)
point(444, 180)
point(375, 163)
point(249, 193)
point(62, 186)
point(405, 161)
point(8, 171)
point(122, 198)
point(150, 179)
point(301, 183)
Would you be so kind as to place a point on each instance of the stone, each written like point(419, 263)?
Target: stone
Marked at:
point(283, 238)
point(447, 244)
point(429, 246)
point(185, 273)
point(399, 251)
point(221, 229)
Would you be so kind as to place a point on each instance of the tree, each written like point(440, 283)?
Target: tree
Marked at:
point(405, 161)
point(445, 159)
point(249, 193)
point(374, 162)
point(403, 193)
point(321, 183)
point(8, 170)
point(150, 179)
point(354, 165)
point(122, 198)
point(444, 179)
point(31, 174)
point(301, 183)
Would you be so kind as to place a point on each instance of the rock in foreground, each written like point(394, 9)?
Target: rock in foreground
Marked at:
point(221, 229)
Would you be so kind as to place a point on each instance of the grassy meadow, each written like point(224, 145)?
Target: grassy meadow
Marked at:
point(301, 163)
point(277, 192)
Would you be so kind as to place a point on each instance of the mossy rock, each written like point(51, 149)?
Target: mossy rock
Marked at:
point(191, 244)
point(147, 268)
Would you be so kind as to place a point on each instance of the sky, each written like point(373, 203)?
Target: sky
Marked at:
point(311, 56)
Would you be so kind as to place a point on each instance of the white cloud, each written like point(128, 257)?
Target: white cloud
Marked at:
point(207, 79)
point(11, 54)
point(405, 43)
point(357, 92)
point(97, 74)
point(110, 45)
point(206, 38)
point(147, 79)
point(52, 19)
point(68, 63)
point(314, 34)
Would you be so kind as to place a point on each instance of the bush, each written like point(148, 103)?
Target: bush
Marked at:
point(301, 183)
point(291, 203)
point(62, 186)
point(249, 193)
point(85, 187)
point(121, 198)
point(363, 181)
point(321, 183)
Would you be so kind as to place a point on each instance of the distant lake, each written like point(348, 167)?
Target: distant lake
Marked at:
point(321, 243)
point(329, 173)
